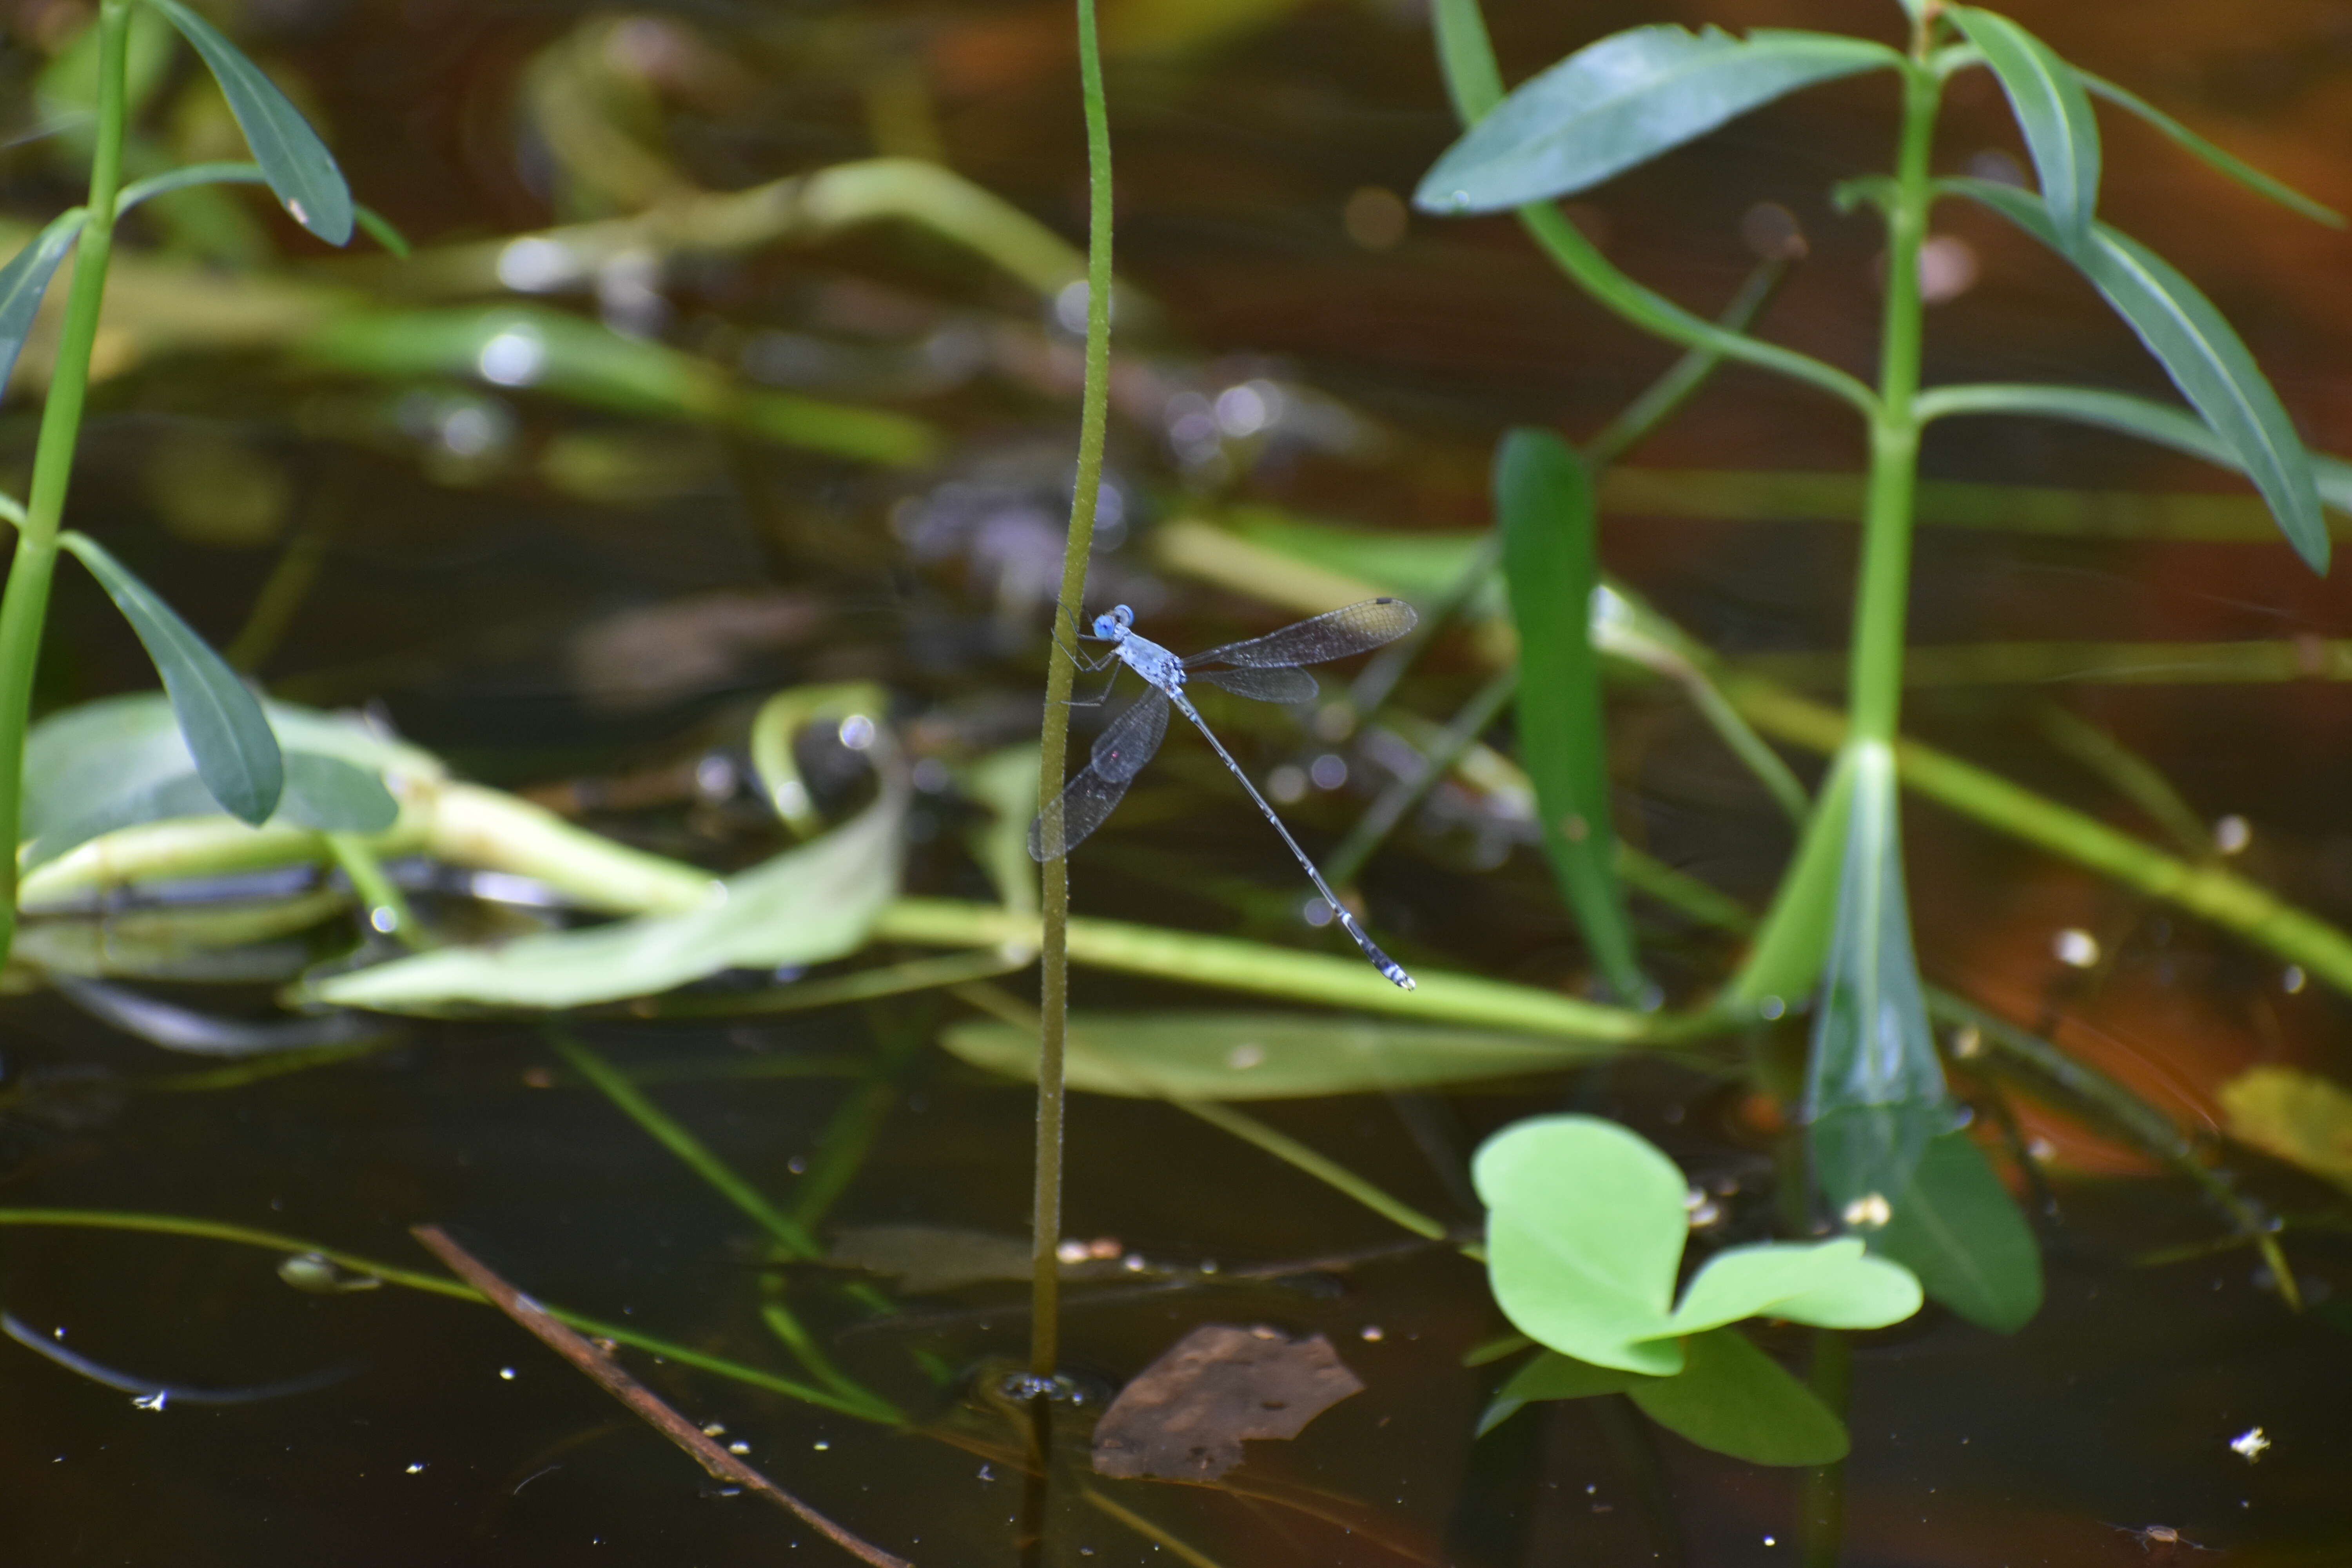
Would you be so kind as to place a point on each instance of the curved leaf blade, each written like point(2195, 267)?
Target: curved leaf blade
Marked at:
point(1960, 1232)
point(1733, 1398)
point(25, 281)
point(1624, 100)
point(1551, 1375)
point(2200, 349)
point(1543, 504)
point(236, 754)
point(2226, 164)
point(1829, 1284)
point(297, 164)
point(2052, 109)
point(812, 903)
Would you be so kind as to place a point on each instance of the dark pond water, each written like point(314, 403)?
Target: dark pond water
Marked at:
point(478, 556)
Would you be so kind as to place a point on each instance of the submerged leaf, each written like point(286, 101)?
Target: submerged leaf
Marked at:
point(2299, 1117)
point(807, 905)
point(235, 754)
point(1262, 1056)
point(1960, 1232)
point(1551, 1375)
point(1186, 1417)
point(2051, 109)
point(123, 761)
point(1543, 505)
point(2199, 350)
point(1733, 1398)
point(1623, 101)
point(1873, 1087)
point(923, 1258)
point(300, 169)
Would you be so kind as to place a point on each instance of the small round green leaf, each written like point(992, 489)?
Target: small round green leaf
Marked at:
point(1584, 1229)
point(1829, 1284)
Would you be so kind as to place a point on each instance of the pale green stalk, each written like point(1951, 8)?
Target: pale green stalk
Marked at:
point(23, 608)
point(1046, 1213)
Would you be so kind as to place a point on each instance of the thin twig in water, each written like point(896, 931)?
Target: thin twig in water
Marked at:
point(644, 1401)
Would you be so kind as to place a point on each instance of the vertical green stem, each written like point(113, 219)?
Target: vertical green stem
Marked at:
point(1045, 1216)
point(24, 606)
point(1876, 690)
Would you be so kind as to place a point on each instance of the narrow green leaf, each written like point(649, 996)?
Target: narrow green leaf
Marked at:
point(1733, 1398)
point(2227, 163)
point(1259, 1056)
point(1873, 1087)
point(2199, 350)
point(1829, 1284)
point(380, 229)
point(1466, 59)
point(1793, 942)
point(297, 164)
point(1623, 101)
point(1543, 504)
point(1551, 1375)
point(2052, 109)
point(1584, 1228)
point(25, 279)
point(2127, 415)
point(809, 904)
point(1000, 844)
point(1960, 1231)
point(235, 754)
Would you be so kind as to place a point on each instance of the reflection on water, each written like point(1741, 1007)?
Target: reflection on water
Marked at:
point(564, 589)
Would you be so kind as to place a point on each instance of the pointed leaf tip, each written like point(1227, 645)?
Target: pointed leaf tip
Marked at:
point(300, 169)
point(236, 753)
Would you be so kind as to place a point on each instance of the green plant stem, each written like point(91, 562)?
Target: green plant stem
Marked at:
point(1388, 809)
point(23, 608)
point(1045, 1209)
point(1874, 694)
point(387, 907)
point(432, 1285)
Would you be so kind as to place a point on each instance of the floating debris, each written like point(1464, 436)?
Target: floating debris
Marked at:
point(2250, 1443)
point(1184, 1417)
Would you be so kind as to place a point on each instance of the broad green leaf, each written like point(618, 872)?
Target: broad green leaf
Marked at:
point(807, 905)
point(1960, 1232)
point(2054, 112)
point(25, 279)
point(2227, 163)
point(1873, 1087)
point(300, 169)
point(1260, 1056)
point(1551, 1375)
point(566, 356)
point(1543, 503)
point(1584, 1227)
point(2299, 1117)
point(2199, 350)
point(1733, 1398)
point(235, 754)
point(1623, 101)
point(122, 761)
point(1829, 1284)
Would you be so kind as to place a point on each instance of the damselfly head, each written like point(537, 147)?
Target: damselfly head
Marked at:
point(1107, 627)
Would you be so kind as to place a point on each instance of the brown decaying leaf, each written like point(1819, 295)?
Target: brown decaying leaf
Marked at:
point(1185, 1415)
